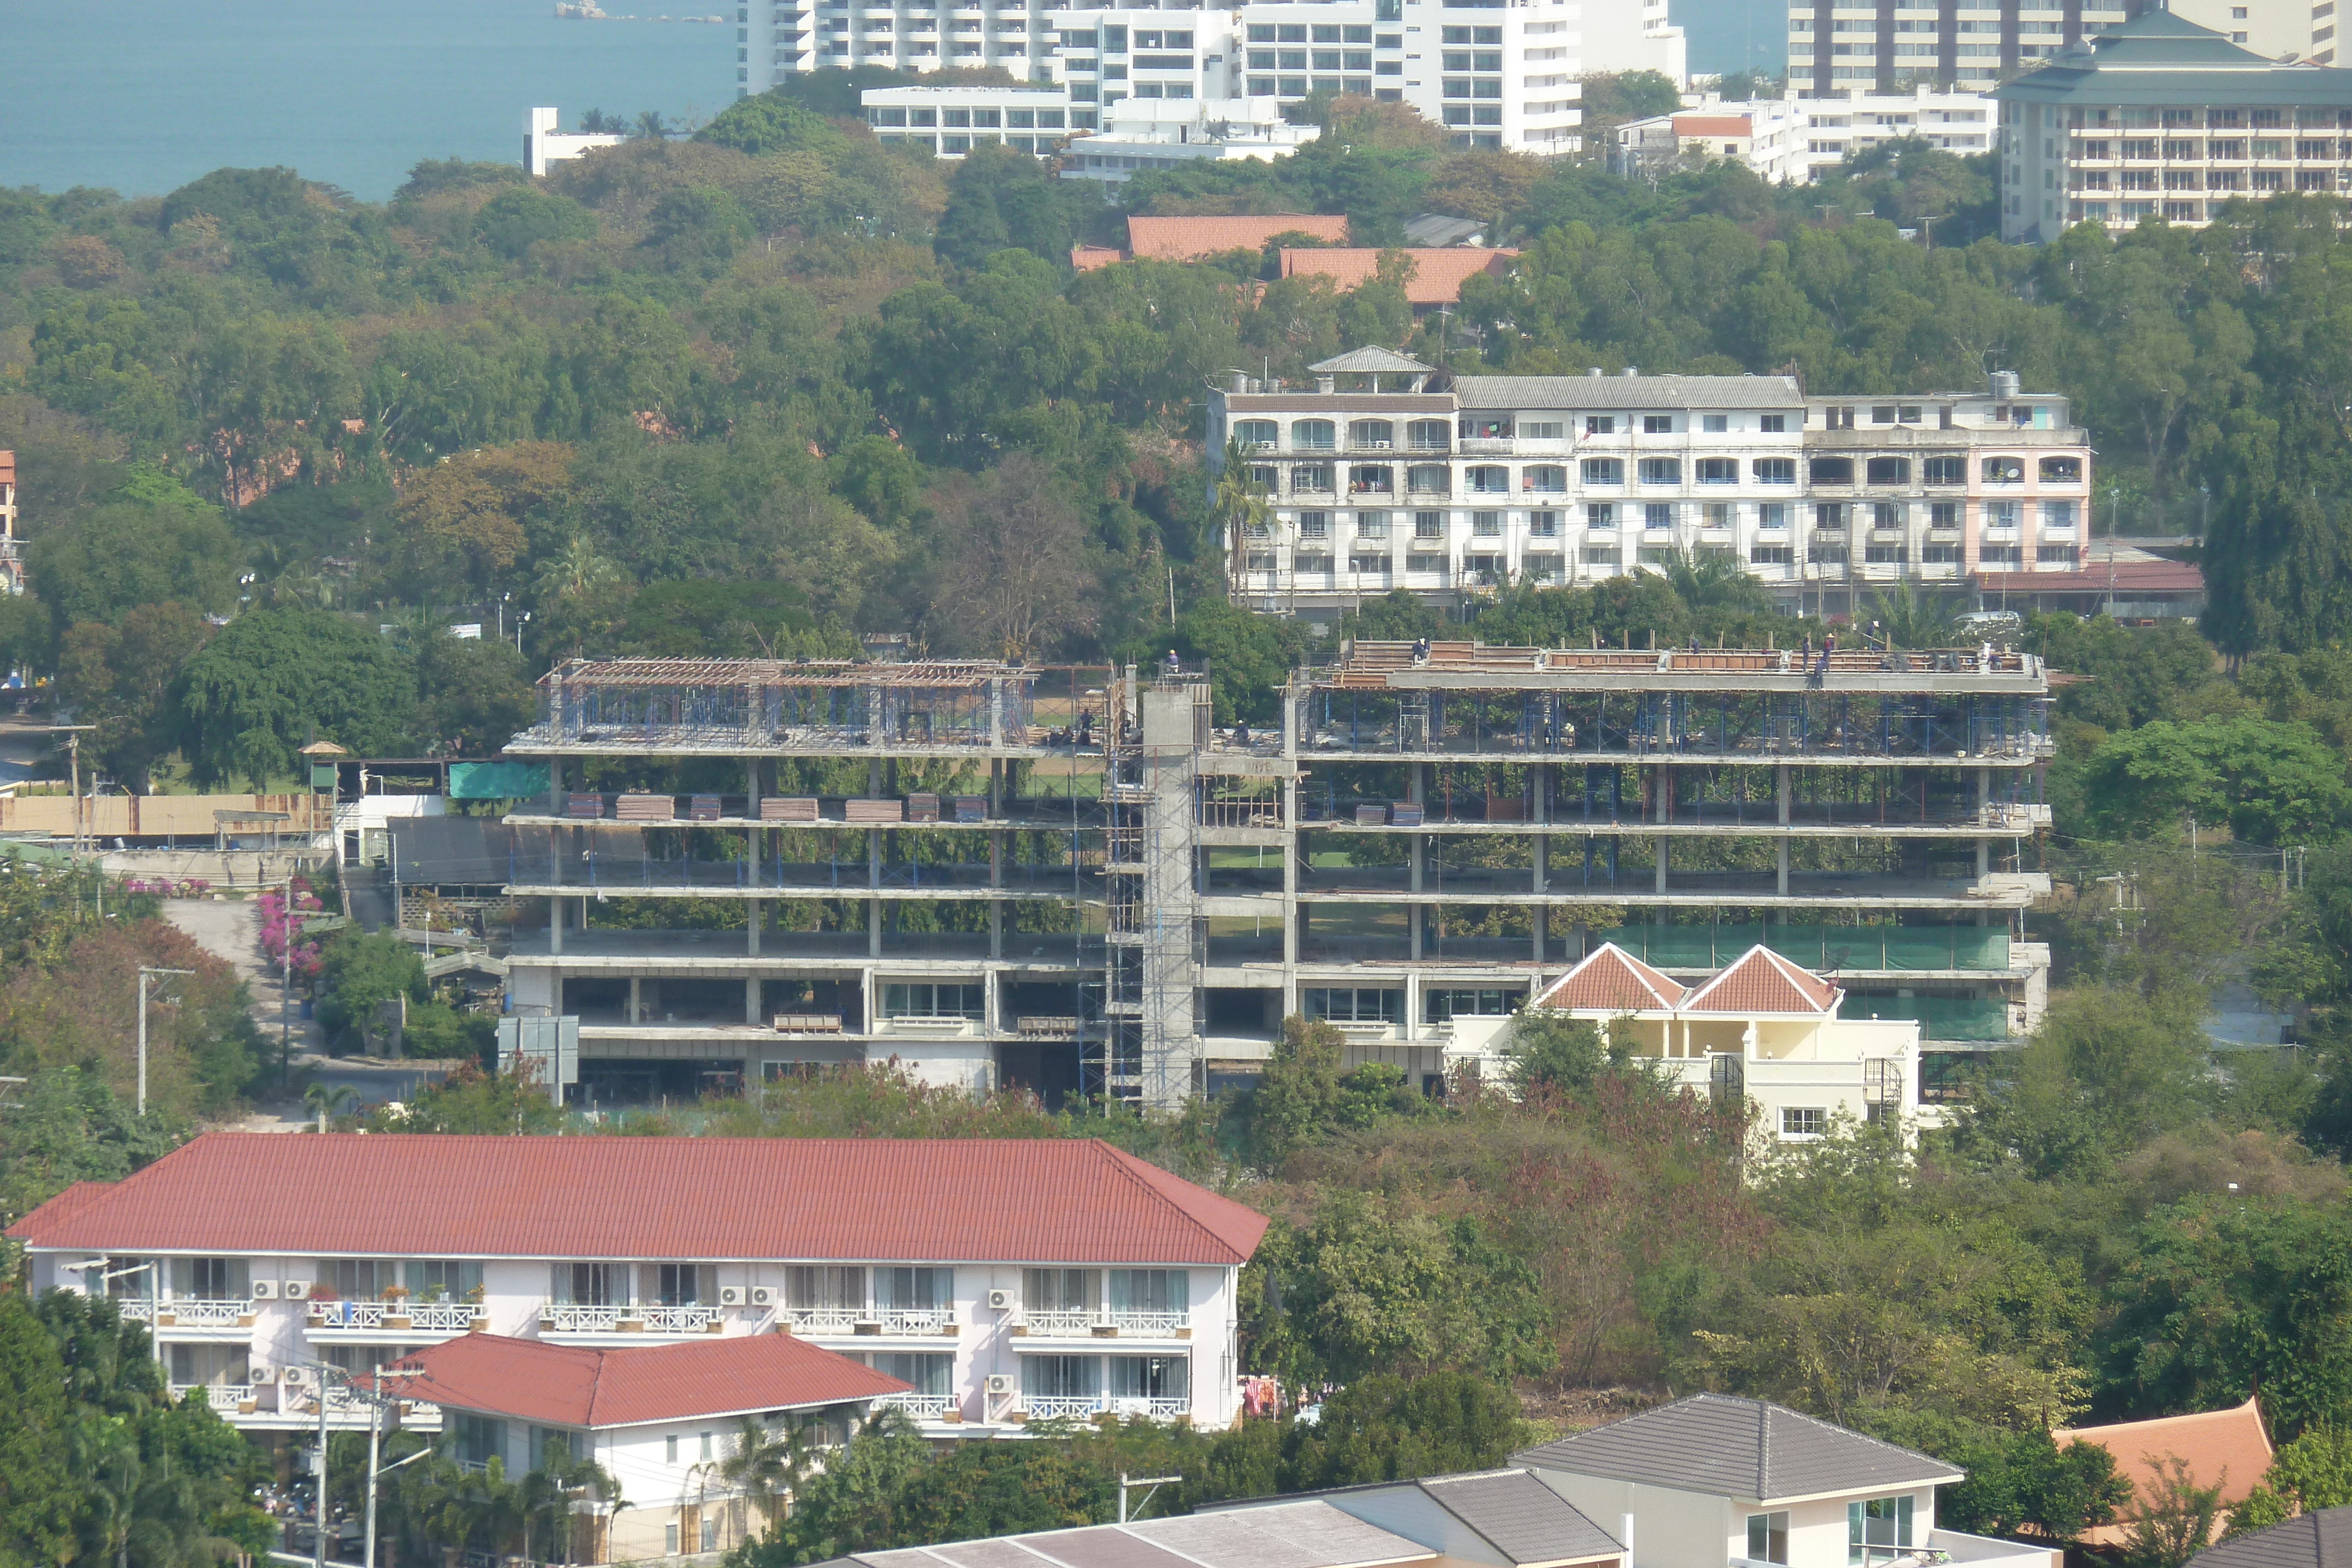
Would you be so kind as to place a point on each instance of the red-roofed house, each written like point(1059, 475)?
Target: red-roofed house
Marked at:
point(1762, 1027)
point(1192, 238)
point(1436, 277)
point(999, 1278)
point(2228, 1450)
point(658, 1419)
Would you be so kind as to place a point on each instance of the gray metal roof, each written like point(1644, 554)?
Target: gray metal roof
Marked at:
point(1628, 391)
point(1525, 1521)
point(2319, 1540)
point(1438, 230)
point(2158, 59)
point(1723, 1446)
point(1358, 362)
point(1301, 1534)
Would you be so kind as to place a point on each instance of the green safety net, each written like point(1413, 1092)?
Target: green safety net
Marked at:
point(1819, 947)
point(496, 780)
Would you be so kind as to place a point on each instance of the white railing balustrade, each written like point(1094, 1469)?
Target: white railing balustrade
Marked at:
point(925, 1406)
point(568, 1319)
point(348, 1314)
point(823, 1320)
point(1055, 1406)
point(223, 1398)
point(135, 1311)
point(678, 1320)
point(915, 1320)
point(205, 1314)
point(443, 1317)
point(1150, 1322)
point(1077, 1322)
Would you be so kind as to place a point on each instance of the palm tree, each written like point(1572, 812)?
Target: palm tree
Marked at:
point(1705, 577)
point(766, 1466)
point(329, 1100)
point(579, 568)
point(1909, 619)
point(1241, 507)
point(651, 126)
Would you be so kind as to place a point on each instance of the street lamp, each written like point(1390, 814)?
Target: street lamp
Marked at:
point(143, 972)
point(520, 622)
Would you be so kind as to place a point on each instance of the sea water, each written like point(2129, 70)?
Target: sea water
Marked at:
point(142, 96)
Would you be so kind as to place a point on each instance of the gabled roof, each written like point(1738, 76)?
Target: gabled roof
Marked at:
point(1438, 273)
point(2225, 1449)
point(1371, 360)
point(1761, 981)
point(1611, 979)
point(2321, 1538)
point(1718, 1445)
point(568, 1385)
point(1293, 1534)
point(938, 1200)
point(2159, 59)
point(1190, 238)
point(1087, 257)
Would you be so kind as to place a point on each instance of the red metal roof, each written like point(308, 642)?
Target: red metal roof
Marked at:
point(568, 1386)
point(1711, 125)
point(1005, 1200)
point(1761, 981)
point(1437, 273)
point(1190, 238)
point(1611, 979)
point(2130, 580)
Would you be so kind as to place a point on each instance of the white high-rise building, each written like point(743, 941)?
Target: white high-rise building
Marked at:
point(1842, 46)
point(1495, 75)
point(1627, 36)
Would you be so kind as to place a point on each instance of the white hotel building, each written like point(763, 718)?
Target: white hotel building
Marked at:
point(1389, 474)
point(1003, 1281)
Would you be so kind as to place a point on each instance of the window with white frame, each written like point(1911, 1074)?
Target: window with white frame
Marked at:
point(1768, 1537)
point(1803, 1122)
point(1878, 1529)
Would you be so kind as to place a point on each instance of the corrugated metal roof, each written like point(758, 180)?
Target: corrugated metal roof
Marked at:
point(570, 1386)
point(882, 1200)
point(1525, 1519)
point(1356, 362)
point(2321, 1538)
point(1718, 1445)
point(1300, 1534)
point(1761, 981)
point(1105, 1546)
point(1628, 391)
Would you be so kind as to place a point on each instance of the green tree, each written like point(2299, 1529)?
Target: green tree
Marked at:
point(1002, 200)
point(2310, 1473)
point(275, 679)
point(358, 973)
point(128, 553)
point(1553, 1055)
point(513, 221)
point(1388, 1428)
point(2268, 782)
point(40, 1493)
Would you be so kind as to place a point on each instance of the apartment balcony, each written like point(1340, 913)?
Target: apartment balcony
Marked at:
point(637, 1317)
point(1487, 446)
point(1104, 1324)
point(1085, 1406)
point(923, 1407)
point(186, 1317)
point(868, 1322)
point(332, 1319)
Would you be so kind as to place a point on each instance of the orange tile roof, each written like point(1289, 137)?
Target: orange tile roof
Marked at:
point(1086, 257)
point(1190, 238)
point(7, 468)
point(934, 1200)
point(2227, 1449)
point(571, 1385)
point(1713, 125)
point(1761, 981)
point(1611, 979)
point(1437, 274)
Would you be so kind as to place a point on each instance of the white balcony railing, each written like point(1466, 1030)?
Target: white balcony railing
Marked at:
point(922, 1407)
point(205, 1314)
point(1085, 1323)
point(223, 1398)
point(678, 1320)
point(914, 1320)
point(134, 1312)
point(1057, 1407)
point(1079, 1324)
point(570, 1318)
point(348, 1314)
point(443, 1317)
point(1150, 1322)
point(824, 1319)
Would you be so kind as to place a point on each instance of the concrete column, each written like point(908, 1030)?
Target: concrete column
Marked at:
point(1662, 813)
point(554, 924)
point(996, 929)
point(636, 999)
point(751, 999)
point(751, 786)
point(873, 928)
point(757, 911)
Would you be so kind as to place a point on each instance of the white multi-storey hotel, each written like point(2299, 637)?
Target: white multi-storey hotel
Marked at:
point(1389, 474)
point(1003, 1282)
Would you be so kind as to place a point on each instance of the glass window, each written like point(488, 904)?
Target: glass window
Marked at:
point(1429, 525)
point(1601, 515)
point(1375, 433)
point(2005, 470)
point(1599, 425)
point(1604, 471)
point(211, 1279)
point(1944, 470)
point(1060, 1290)
point(1314, 525)
point(1542, 430)
point(1831, 470)
point(1426, 435)
point(1774, 425)
point(1062, 1376)
point(1887, 470)
point(1657, 425)
point(1543, 525)
point(1255, 432)
point(590, 1285)
point(1546, 479)
point(1445, 1005)
point(1774, 470)
point(1768, 1538)
point(1881, 1527)
point(1715, 424)
point(1149, 1376)
point(1313, 434)
point(1372, 524)
point(917, 1000)
point(441, 1279)
point(1346, 1004)
point(915, 1290)
point(930, 1374)
point(358, 1278)
point(1718, 470)
point(820, 1287)
point(1662, 470)
point(1772, 515)
point(547, 1443)
point(1657, 516)
point(481, 1439)
point(2057, 514)
point(1149, 1290)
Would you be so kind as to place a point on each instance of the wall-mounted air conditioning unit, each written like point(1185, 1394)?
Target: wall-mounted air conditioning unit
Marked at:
point(1001, 1383)
point(763, 1295)
point(264, 1290)
point(297, 1376)
point(731, 1295)
point(298, 1289)
point(1004, 1301)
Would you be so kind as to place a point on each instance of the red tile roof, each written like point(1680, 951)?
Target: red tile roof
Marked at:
point(2228, 1450)
point(1006, 1200)
point(2130, 579)
point(1712, 125)
point(1190, 238)
point(568, 1385)
point(1086, 257)
point(7, 468)
point(1761, 981)
point(1611, 979)
point(1437, 273)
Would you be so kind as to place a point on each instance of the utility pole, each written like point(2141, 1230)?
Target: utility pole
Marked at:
point(319, 1502)
point(143, 972)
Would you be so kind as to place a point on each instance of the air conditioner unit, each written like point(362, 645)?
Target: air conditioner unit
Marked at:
point(731, 1295)
point(297, 1376)
point(264, 1290)
point(1004, 1301)
point(298, 1289)
point(1001, 1383)
point(763, 1295)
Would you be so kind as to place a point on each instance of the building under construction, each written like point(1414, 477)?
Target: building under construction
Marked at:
point(742, 868)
